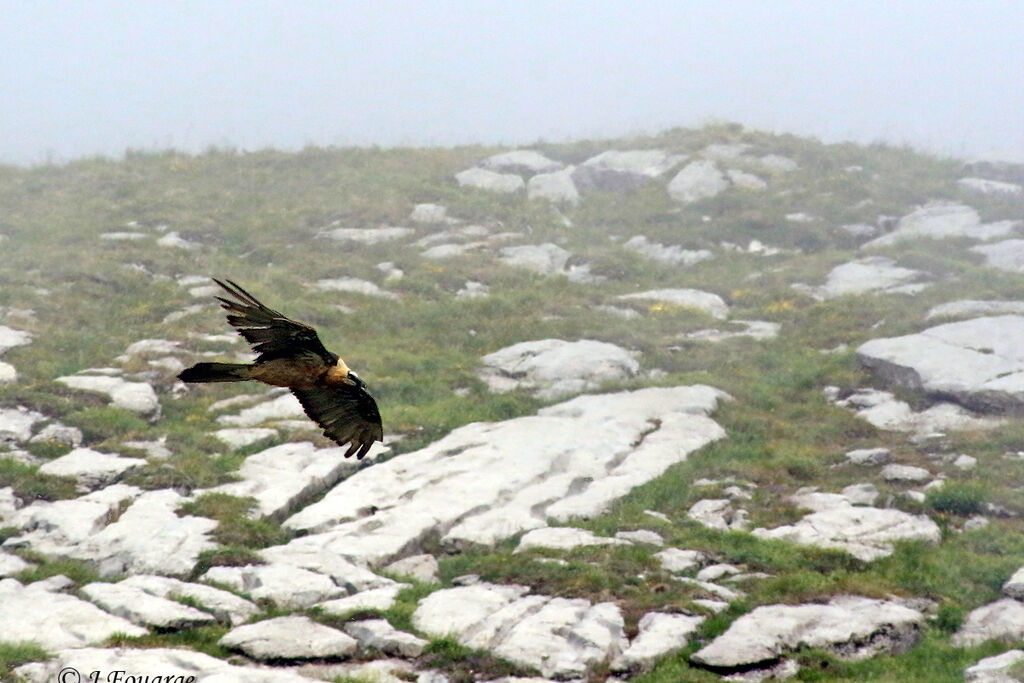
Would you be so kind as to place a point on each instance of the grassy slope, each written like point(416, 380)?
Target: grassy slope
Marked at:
point(256, 216)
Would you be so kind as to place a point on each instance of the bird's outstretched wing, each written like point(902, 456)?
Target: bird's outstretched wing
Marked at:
point(347, 414)
point(268, 332)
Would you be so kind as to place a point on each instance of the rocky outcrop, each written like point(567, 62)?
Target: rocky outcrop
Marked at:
point(553, 367)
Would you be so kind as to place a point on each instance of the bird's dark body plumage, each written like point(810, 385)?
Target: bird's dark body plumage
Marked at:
point(292, 355)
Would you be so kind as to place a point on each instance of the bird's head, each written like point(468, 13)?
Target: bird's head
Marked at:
point(355, 378)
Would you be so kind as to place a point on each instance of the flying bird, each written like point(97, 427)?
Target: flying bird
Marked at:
point(291, 355)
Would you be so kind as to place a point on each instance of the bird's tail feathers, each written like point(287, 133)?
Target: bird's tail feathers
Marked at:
point(217, 372)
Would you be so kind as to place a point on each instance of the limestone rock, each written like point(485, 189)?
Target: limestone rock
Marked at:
point(283, 585)
point(378, 635)
point(90, 468)
point(55, 620)
point(641, 536)
point(1000, 620)
point(677, 560)
point(697, 180)
point(905, 473)
point(137, 397)
point(10, 337)
point(615, 170)
point(978, 362)
point(422, 568)
point(142, 608)
point(850, 626)
point(659, 634)
point(283, 407)
point(545, 259)
point(367, 235)
point(562, 638)
point(11, 564)
point(970, 308)
point(883, 410)
point(875, 274)
point(572, 459)
point(429, 213)
point(166, 662)
point(56, 432)
point(223, 605)
point(868, 456)
point(938, 220)
point(353, 285)
point(374, 598)
point(994, 669)
point(526, 161)
point(16, 424)
point(672, 255)
point(985, 186)
point(777, 163)
point(557, 186)
point(553, 367)
point(240, 437)
point(483, 179)
point(1014, 586)
point(285, 477)
point(709, 303)
point(563, 538)
point(288, 638)
point(866, 533)
point(1007, 255)
point(718, 513)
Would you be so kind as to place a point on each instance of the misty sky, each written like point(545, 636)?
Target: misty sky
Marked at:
point(83, 78)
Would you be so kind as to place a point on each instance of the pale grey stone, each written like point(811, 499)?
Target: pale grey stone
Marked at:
point(557, 186)
point(156, 449)
point(674, 254)
point(142, 608)
point(562, 638)
point(473, 290)
point(374, 598)
point(850, 626)
point(56, 432)
point(979, 362)
point(875, 274)
point(718, 513)
point(905, 473)
point(994, 669)
point(744, 180)
point(553, 367)
point(861, 494)
point(755, 329)
point(422, 568)
point(447, 251)
point(244, 436)
point(645, 536)
point(136, 397)
point(777, 163)
point(1014, 586)
point(969, 308)
point(720, 592)
point(283, 478)
point(367, 235)
point(167, 662)
point(965, 462)
point(354, 285)
point(709, 303)
point(868, 456)
point(697, 180)
point(544, 258)
point(572, 459)
point(974, 523)
point(800, 217)
point(616, 170)
point(123, 236)
point(378, 635)
point(985, 186)
point(999, 620)
point(175, 241)
point(91, 469)
point(521, 161)
point(715, 606)
point(677, 560)
point(349, 576)
point(1006, 255)
point(283, 585)
point(716, 571)
point(483, 179)
point(883, 410)
point(221, 604)
point(563, 538)
point(939, 220)
point(11, 564)
point(282, 407)
point(428, 213)
point(55, 620)
point(16, 424)
point(659, 634)
point(866, 533)
point(8, 373)
point(288, 638)
point(10, 337)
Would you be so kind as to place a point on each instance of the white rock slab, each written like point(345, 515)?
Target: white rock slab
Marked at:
point(999, 620)
point(978, 362)
point(563, 538)
point(172, 664)
point(557, 186)
point(641, 536)
point(149, 538)
point(1014, 586)
point(56, 432)
point(288, 638)
point(283, 407)
point(572, 459)
point(673, 255)
point(709, 303)
point(561, 638)
point(8, 373)
point(353, 285)
point(283, 585)
point(421, 568)
point(367, 235)
point(173, 240)
point(137, 397)
point(483, 179)
point(875, 274)
point(616, 170)
point(867, 533)
point(10, 337)
point(380, 636)
point(744, 180)
point(659, 634)
point(778, 163)
point(985, 186)
point(221, 604)
point(55, 620)
point(994, 669)
point(970, 308)
point(544, 258)
point(851, 626)
point(16, 424)
point(429, 213)
point(905, 474)
point(1006, 255)
point(285, 477)
point(882, 409)
point(554, 367)
point(677, 560)
point(142, 608)
point(375, 598)
point(521, 161)
point(719, 514)
point(939, 220)
point(868, 456)
point(697, 180)
point(90, 468)
point(11, 565)
point(240, 437)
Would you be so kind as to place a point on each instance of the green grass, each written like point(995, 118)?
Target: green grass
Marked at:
point(13, 655)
